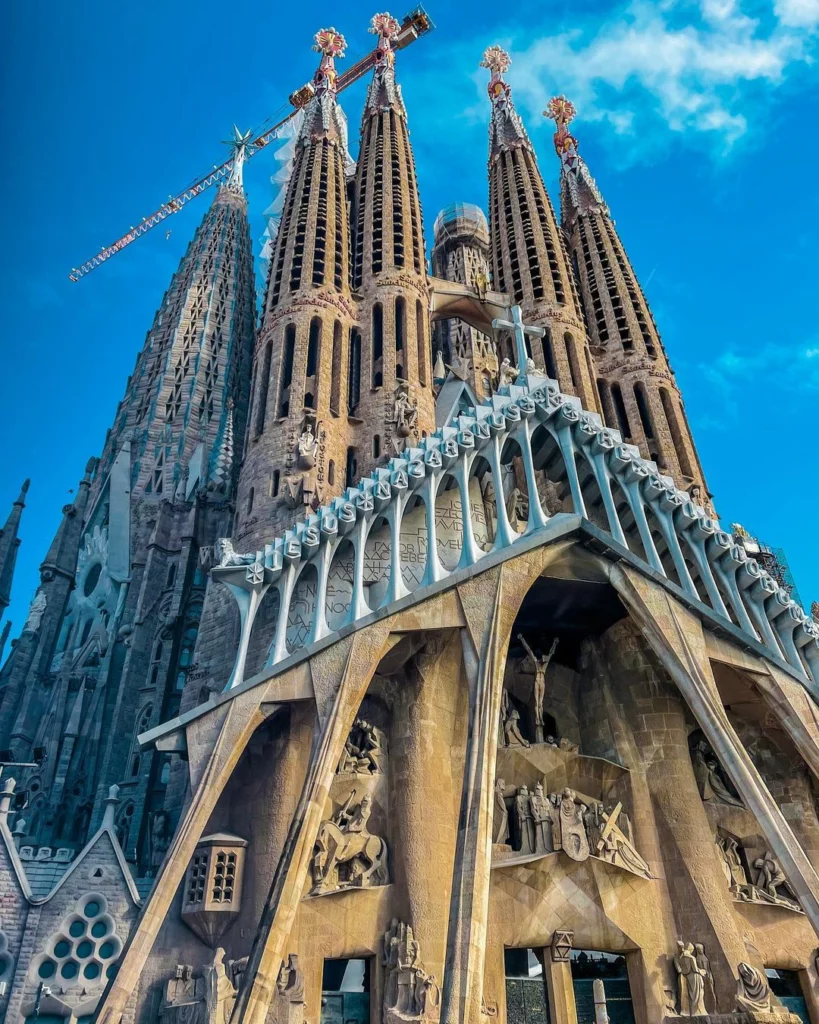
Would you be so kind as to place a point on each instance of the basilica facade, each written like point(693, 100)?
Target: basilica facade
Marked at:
point(391, 664)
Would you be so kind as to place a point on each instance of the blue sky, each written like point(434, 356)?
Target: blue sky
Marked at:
point(698, 120)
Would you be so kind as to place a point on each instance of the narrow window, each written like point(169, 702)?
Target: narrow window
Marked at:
point(421, 337)
point(377, 345)
point(335, 381)
point(274, 486)
point(400, 323)
point(354, 376)
point(264, 385)
point(352, 468)
point(574, 365)
point(549, 355)
point(620, 410)
point(676, 433)
point(313, 346)
point(171, 575)
point(376, 446)
point(605, 404)
point(642, 408)
point(287, 369)
point(331, 472)
point(250, 495)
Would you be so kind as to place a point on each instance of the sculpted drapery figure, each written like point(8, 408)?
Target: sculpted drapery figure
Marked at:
point(753, 992)
point(713, 783)
point(525, 821)
point(734, 871)
point(542, 820)
point(540, 663)
point(573, 838)
point(410, 992)
point(364, 750)
point(510, 723)
point(690, 981)
point(500, 819)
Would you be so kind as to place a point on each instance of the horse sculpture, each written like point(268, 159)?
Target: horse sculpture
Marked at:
point(344, 841)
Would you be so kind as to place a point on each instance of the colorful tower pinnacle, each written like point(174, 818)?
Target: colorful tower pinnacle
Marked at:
point(389, 274)
point(638, 393)
point(529, 258)
point(297, 443)
point(9, 543)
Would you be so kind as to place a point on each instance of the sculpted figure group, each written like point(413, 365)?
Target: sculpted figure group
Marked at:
point(347, 855)
point(768, 886)
point(540, 824)
point(410, 992)
point(207, 999)
point(364, 750)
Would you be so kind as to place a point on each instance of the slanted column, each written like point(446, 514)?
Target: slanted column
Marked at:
point(469, 904)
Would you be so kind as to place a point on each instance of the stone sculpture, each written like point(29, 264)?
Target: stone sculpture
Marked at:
point(753, 993)
point(770, 875)
point(404, 413)
point(220, 995)
point(769, 885)
point(500, 819)
point(704, 965)
point(307, 447)
point(226, 556)
point(160, 839)
point(511, 735)
point(347, 855)
point(542, 820)
point(364, 750)
point(713, 783)
point(615, 846)
point(524, 820)
point(184, 1001)
point(290, 982)
point(36, 612)
point(540, 663)
point(507, 374)
point(573, 839)
point(690, 982)
point(410, 992)
point(734, 871)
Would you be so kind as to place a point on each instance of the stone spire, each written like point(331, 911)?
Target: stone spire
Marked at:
point(196, 355)
point(298, 441)
point(529, 258)
point(389, 274)
point(638, 393)
point(4, 636)
point(239, 144)
point(9, 543)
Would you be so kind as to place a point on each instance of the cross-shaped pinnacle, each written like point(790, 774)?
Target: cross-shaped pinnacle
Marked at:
point(520, 330)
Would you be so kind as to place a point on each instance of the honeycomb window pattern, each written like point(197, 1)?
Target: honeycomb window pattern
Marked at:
point(85, 948)
point(197, 878)
point(224, 877)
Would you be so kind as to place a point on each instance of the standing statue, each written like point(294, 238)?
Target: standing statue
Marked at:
point(507, 374)
point(753, 992)
point(525, 820)
point(734, 871)
point(711, 778)
point(404, 413)
point(704, 965)
point(690, 981)
point(573, 838)
point(160, 840)
point(770, 875)
point(510, 723)
point(542, 819)
point(540, 663)
point(500, 818)
point(410, 992)
point(184, 1001)
point(220, 995)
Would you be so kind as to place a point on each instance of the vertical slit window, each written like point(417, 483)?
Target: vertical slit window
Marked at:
point(354, 377)
point(549, 355)
point(643, 410)
point(377, 345)
point(378, 199)
point(376, 446)
point(620, 411)
point(421, 338)
point(264, 387)
point(575, 372)
point(400, 323)
point(287, 369)
point(335, 382)
point(320, 231)
point(676, 433)
point(606, 405)
point(397, 195)
point(352, 468)
point(313, 361)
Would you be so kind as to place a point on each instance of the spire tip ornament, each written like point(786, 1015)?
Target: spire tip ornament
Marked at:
point(329, 42)
point(496, 59)
point(384, 25)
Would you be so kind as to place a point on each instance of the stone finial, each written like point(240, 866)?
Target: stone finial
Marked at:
point(6, 794)
point(111, 802)
point(19, 832)
point(496, 59)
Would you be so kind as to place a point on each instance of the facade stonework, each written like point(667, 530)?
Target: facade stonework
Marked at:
point(384, 689)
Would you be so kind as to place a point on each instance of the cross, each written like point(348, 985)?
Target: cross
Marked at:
point(520, 331)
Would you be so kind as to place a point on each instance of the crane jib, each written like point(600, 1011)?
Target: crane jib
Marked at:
point(414, 25)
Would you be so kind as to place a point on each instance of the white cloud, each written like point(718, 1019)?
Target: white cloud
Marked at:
point(705, 69)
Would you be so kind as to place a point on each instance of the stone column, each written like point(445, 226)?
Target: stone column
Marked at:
point(469, 906)
point(562, 1008)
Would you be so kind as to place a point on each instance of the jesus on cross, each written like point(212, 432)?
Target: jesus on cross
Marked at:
point(520, 330)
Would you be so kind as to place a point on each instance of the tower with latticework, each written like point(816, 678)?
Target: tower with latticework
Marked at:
point(638, 392)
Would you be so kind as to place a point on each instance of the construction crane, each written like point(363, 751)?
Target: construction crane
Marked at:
point(416, 24)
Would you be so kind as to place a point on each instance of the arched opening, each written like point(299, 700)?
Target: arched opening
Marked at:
point(553, 482)
point(481, 487)
point(377, 349)
point(260, 646)
point(335, 380)
point(400, 323)
point(627, 521)
point(413, 542)
point(376, 446)
point(574, 364)
point(592, 498)
point(339, 595)
point(449, 522)
point(351, 470)
point(264, 387)
point(549, 355)
point(300, 613)
point(421, 340)
point(377, 554)
point(606, 405)
point(331, 472)
point(288, 353)
point(250, 496)
point(643, 410)
point(354, 374)
point(676, 434)
point(311, 382)
point(623, 424)
point(515, 487)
